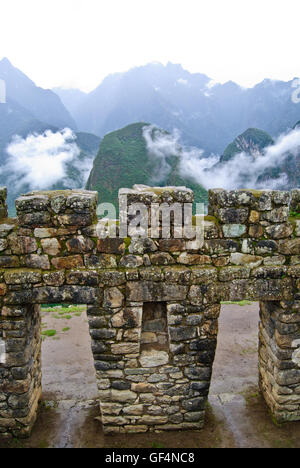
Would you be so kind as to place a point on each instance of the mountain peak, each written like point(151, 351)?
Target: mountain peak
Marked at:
point(252, 141)
point(5, 61)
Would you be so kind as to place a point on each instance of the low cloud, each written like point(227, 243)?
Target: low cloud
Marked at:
point(242, 171)
point(41, 161)
point(161, 146)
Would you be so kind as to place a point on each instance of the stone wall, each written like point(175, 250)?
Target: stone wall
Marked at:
point(153, 304)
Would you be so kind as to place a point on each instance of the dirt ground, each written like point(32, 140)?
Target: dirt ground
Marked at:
point(237, 415)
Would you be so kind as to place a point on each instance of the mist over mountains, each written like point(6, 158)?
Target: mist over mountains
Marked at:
point(208, 115)
point(197, 133)
point(34, 142)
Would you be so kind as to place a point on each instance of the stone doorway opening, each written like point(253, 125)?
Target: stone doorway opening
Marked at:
point(68, 371)
point(235, 368)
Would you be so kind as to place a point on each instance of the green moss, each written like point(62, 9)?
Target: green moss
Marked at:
point(256, 193)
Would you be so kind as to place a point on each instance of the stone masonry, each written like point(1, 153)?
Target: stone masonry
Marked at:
point(153, 304)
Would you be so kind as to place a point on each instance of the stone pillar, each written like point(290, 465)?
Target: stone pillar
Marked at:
point(279, 358)
point(20, 369)
point(3, 205)
point(154, 200)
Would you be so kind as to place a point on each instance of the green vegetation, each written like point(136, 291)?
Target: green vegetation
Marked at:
point(123, 160)
point(240, 303)
point(49, 333)
point(62, 310)
point(252, 140)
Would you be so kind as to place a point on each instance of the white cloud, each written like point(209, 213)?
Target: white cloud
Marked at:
point(242, 171)
point(161, 145)
point(182, 81)
point(40, 161)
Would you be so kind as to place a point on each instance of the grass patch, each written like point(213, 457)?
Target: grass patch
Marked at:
point(49, 333)
point(240, 303)
point(62, 310)
point(66, 329)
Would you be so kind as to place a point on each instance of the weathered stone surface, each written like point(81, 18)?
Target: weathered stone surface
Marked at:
point(9, 261)
point(248, 260)
point(131, 261)
point(37, 261)
point(51, 246)
point(182, 333)
point(80, 244)
point(152, 273)
point(234, 272)
point(277, 215)
point(233, 215)
point(276, 260)
point(254, 217)
point(279, 231)
point(134, 409)
point(30, 203)
point(272, 272)
point(196, 294)
point(256, 231)
point(22, 244)
point(162, 258)
point(34, 219)
point(234, 230)
point(22, 276)
point(153, 358)
point(123, 395)
point(179, 275)
point(142, 245)
point(55, 278)
point(220, 246)
point(149, 291)
point(87, 278)
point(100, 261)
point(113, 298)
point(194, 404)
point(112, 278)
point(171, 245)
point(68, 263)
point(82, 201)
point(5, 229)
point(110, 245)
point(125, 348)
point(43, 233)
point(205, 274)
point(75, 219)
point(289, 246)
point(193, 259)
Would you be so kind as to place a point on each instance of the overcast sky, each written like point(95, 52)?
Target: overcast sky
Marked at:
point(76, 43)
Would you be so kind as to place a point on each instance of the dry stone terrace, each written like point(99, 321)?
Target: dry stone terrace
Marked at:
point(153, 304)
